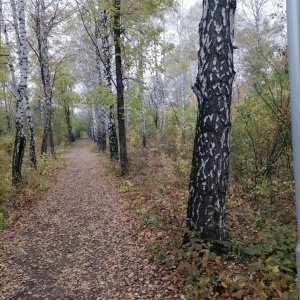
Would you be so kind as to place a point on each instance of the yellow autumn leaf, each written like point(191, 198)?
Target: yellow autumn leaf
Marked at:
point(204, 261)
point(276, 269)
point(224, 285)
point(276, 287)
point(262, 296)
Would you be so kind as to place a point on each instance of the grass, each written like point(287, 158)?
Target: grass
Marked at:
point(259, 262)
point(34, 181)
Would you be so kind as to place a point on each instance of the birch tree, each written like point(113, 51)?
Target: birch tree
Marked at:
point(20, 34)
point(47, 134)
point(209, 175)
point(119, 84)
point(18, 90)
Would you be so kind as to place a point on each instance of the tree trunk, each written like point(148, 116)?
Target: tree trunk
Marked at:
point(20, 31)
point(95, 121)
point(106, 50)
point(120, 86)
point(68, 121)
point(113, 141)
point(141, 96)
point(102, 131)
point(209, 175)
point(157, 90)
point(47, 134)
point(182, 97)
point(20, 140)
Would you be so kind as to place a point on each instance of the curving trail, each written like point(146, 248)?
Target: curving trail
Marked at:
point(78, 242)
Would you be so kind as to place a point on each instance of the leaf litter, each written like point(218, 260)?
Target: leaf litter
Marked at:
point(80, 241)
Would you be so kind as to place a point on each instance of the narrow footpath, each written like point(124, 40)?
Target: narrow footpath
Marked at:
point(78, 242)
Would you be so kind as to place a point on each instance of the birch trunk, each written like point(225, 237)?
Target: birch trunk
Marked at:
point(20, 33)
point(113, 141)
point(141, 97)
point(209, 175)
point(47, 134)
point(182, 97)
point(157, 93)
point(20, 140)
point(112, 134)
point(106, 50)
point(102, 78)
point(120, 86)
point(94, 122)
point(102, 137)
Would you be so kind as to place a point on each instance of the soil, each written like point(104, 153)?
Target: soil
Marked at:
point(79, 241)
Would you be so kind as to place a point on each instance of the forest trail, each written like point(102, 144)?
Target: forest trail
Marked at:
point(78, 242)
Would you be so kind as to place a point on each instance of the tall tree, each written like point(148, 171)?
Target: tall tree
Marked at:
point(47, 134)
point(120, 87)
point(19, 90)
point(209, 174)
point(20, 34)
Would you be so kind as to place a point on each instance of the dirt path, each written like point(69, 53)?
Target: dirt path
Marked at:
point(78, 243)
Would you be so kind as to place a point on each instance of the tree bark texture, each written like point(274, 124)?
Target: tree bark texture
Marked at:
point(95, 121)
point(106, 49)
point(47, 134)
point(209, 174)
point(182, 94)
point(157, 89)
point(120, 86)
point(113, 141)
point(141, 96)
point(20, 140)
point(102, 131)
point(20, 32)
point(68, 121)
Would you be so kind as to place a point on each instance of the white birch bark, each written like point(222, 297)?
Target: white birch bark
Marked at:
point(141, 97)
point(206, 211)
point(20, 140)
point(47, 135)
point(182, 94)
point(106, 50)
point(94, 122)
point(103, 126)
point(20, 34)
point(157, 92)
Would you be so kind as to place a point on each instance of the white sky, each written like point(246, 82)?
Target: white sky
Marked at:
point(188, 3)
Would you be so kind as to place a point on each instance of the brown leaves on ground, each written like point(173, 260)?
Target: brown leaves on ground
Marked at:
point(79, 242)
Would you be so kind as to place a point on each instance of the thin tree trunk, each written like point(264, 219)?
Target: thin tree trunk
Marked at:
point(68, 121)
point(95, 122)
point(209, 175)
point(113, 141)
point(182, 97)
point(102, 131)
point(20, 140)
point(157, 92)
point(112, 134)
point(20, 33)
point(120, 86)
point(141, 96)
point(47, 134)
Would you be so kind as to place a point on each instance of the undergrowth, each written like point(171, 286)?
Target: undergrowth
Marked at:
point(34, 181)
point(259, 259)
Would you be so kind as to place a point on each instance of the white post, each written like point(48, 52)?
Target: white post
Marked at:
point(293, 22)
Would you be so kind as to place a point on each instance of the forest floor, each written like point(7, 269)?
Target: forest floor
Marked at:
point(79, 241)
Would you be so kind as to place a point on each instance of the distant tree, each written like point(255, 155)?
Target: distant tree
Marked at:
point(209, 175)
